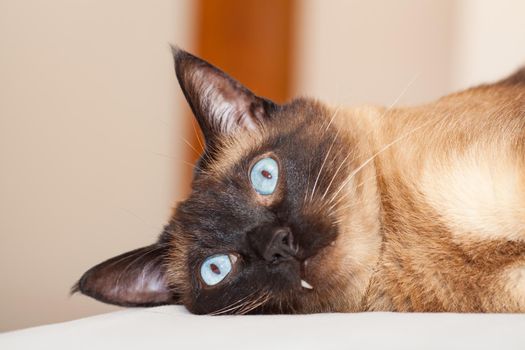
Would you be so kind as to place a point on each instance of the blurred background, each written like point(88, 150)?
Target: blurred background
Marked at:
point(96, 141)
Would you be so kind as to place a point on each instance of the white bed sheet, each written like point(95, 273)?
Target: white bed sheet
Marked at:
point(172, 327)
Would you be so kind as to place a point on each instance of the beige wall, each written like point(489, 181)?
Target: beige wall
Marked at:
point(490, 40)
point(377, 51)
point(355, 52)
point(90, 122)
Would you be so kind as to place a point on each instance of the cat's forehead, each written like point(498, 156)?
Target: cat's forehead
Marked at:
point(296, 126)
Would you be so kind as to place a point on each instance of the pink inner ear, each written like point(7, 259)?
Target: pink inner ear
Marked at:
point(221, 104)
point(135, 278)
point(225, 103)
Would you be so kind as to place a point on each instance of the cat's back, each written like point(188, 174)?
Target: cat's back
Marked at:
point(464, 155)
point(452, 183)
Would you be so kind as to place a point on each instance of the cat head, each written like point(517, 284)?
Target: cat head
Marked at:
point(280, 218)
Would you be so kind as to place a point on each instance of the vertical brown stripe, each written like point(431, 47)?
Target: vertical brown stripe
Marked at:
point(252, 41)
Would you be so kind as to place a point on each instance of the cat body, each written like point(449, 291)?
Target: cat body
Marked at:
point(451, 184)
point(356, 209)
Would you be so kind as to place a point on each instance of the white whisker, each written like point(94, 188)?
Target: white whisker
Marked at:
point(197, 135)
point(412, 81)
point(193, 166)
point(365, 163)
point(394, 103)
point(191, 146)
point(332, 118)
point(322, 165)
point(307, 181)
point(346, 194)
point(335, 174)
point(232, 306)
point(263, 298)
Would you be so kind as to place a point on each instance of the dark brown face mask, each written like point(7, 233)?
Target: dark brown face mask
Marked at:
point(257, 207)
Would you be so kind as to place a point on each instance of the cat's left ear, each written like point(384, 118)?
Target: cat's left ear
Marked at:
point(221, 105)
point(135, 278)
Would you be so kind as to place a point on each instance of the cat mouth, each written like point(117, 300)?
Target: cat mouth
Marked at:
point(304, 267)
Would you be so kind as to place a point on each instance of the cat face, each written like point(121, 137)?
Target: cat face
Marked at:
point(277, 221)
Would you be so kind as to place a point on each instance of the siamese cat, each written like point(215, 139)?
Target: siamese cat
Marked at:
point(305, 208)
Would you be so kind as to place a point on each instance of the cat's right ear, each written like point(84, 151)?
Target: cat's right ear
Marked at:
point(135, 278)
point(221, 105)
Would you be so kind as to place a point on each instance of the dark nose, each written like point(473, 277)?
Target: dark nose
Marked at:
point(273, 244)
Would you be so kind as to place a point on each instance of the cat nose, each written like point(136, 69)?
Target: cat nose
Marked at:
point(280, 247)
point(274, 245)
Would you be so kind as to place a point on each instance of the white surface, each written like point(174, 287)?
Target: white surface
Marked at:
point(172, 327)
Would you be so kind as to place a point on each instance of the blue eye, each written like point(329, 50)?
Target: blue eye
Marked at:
point(215, 268)
point(264, 176)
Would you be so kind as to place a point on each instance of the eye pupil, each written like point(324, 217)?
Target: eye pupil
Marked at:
point(215, 269)
point(266, 174)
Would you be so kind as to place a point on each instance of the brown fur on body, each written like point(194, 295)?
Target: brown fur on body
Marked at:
point(452, 202)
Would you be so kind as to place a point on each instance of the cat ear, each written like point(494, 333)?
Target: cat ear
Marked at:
point(221, 105)
point(135, 278)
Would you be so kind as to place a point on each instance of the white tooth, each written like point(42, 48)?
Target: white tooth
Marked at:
point(306, 285)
